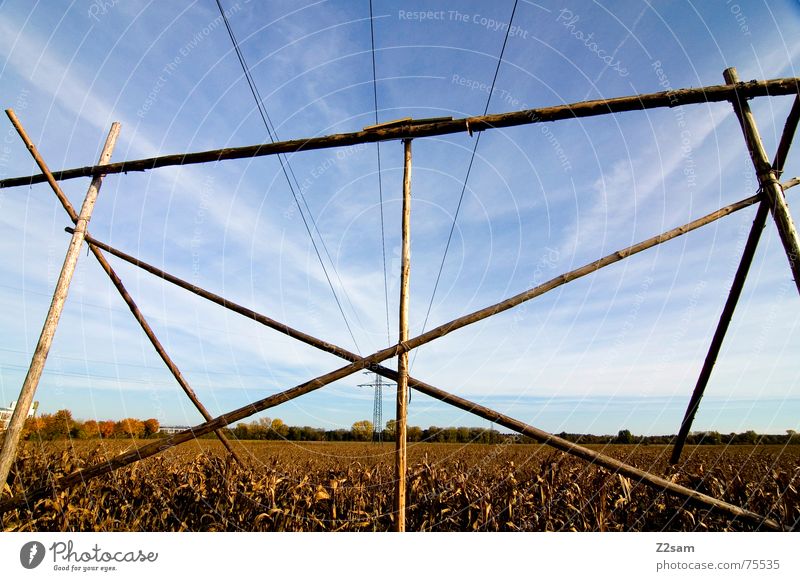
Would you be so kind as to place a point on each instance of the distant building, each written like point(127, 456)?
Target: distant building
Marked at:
point(6, 413)
point(169, 430)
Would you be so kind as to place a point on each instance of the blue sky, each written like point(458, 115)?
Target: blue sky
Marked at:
point(618, 349)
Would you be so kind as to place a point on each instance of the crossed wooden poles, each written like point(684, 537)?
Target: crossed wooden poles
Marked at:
point(770, 199)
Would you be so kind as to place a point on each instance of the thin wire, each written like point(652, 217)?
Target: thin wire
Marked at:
point(380, 178)
point(262, 110)
point(466, 179)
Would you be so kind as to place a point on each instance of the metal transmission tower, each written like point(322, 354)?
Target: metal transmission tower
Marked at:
point(377, 406)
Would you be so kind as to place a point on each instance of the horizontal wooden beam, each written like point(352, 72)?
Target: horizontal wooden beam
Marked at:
point(716, 93)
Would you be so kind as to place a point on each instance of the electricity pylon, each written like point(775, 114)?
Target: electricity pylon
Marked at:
point(377, 406)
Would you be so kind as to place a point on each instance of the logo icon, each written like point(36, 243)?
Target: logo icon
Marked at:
point(31, 554)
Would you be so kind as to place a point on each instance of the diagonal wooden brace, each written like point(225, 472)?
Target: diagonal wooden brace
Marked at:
point(372, 362)
point(768, 180)
point(115, 279)
point(25, 399)
point(736, 288)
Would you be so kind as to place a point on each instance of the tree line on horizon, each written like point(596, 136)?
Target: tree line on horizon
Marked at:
point(61, 425)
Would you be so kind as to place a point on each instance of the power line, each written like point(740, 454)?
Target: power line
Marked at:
point(380, 179)
point(466, 178)
point(273, 136)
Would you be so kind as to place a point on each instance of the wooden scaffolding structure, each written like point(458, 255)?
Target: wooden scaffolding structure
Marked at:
point(770, 199)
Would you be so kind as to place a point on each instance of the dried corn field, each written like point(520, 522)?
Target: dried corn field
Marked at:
point(348, 487)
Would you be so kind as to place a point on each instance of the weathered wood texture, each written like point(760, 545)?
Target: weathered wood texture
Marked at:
point(675, 98)
point(595, 458)
point(371, 362)
point(401, 417)
point(31, 382)
point(748, 254)
point(117, 282)
point(339, 351)
point(767, 179)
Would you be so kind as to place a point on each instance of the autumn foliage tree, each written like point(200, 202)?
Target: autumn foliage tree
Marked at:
point(362, 430)
point(106, 428)
point(90, 429)
point(151, 427)
point(129, 427)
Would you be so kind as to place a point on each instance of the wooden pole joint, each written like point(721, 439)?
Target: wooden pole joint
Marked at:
point(771, 198)
point(13, 433)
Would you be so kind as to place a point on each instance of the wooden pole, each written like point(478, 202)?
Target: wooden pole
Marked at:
point(596, 458)
point(767, 179)
point(789, 129)
point(736, 288)
point(25, 399)
point(148, 331)
point(400, 460)
point(371, 362)
point(339, 351)
point(117, 281)
point(466, 125)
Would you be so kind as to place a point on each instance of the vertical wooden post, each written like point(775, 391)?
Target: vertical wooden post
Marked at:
point(736, 288)
point(117, 281)
point(768, 181)
point(402, 359)
point(31, 382)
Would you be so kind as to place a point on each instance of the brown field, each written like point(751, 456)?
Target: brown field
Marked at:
point(294, 486)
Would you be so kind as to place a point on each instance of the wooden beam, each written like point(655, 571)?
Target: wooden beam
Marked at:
point(596, 458)
point(154, 341)
point(340, 351)
point(386, 372)
point(789, 130)
point(767, 180)
point(372, 362)
point(736, 288)
point(344, 353)
point(400, 460)
point(25, 399)
point(675, 98)
point(117, 282)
